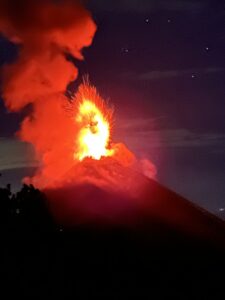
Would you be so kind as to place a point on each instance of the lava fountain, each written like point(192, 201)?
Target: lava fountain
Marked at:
point(94, 120)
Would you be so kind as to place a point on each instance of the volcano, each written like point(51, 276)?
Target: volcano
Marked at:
point(119, 235)
point(109, 194)
point(125, 236)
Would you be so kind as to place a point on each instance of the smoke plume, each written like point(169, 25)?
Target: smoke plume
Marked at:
point(46, 32)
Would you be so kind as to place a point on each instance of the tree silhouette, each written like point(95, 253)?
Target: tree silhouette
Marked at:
point(26, 211)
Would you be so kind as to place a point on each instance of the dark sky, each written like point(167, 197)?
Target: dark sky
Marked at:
point(162, 64)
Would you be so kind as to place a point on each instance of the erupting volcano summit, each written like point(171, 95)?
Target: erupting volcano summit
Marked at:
point(64, 133)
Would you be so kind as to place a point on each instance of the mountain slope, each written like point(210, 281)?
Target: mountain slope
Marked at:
point(105, 192)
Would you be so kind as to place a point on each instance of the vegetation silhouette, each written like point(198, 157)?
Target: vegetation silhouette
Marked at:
point(25, 213)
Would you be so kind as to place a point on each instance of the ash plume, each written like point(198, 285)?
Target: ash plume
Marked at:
point(45, 32)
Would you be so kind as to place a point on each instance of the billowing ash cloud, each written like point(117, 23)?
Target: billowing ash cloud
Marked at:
point(44, 30)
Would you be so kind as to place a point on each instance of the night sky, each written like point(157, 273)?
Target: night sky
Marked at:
point(162, 65)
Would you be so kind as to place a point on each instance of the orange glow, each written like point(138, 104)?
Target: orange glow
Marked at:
point(63, 131)
point(94, 123)
point(94, 136)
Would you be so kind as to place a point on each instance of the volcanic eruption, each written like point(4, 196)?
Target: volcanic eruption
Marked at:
point(72, 138)
point(116, 232)
point(84, 173)
point(64, 132)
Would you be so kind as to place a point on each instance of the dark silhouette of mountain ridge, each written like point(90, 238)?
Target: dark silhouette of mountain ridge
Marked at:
point(108, 243)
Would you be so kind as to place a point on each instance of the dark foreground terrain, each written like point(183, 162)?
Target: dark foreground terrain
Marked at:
point(41, 259)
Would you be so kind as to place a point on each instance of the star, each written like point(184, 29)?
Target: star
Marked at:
point(169, 20)
point(193, 76)
point(125, 50)
point(207, 48)
point(221, 209)
point(147, 20)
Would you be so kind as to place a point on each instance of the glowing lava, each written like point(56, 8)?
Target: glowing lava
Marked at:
point(95, 125)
